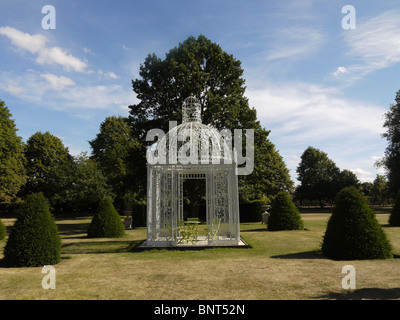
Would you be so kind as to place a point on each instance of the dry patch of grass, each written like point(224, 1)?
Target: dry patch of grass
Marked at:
point(280, 265)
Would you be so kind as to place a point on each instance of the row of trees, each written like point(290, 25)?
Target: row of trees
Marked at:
point(117, 164)
point(44, 165)
point(320, 180)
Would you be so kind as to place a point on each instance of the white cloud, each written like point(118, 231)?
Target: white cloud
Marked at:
point(126, 48)
point(301, 115)
point(374, 44)
point(314, 113)
point(294, 42)
point(339, 71)
point(36, 44)
point(56, 55)
point(363, 175)
point(15, 90)
point(106, 75)
point(57, 82)
point(112, 75)
point(63, 94)
point(25, 41)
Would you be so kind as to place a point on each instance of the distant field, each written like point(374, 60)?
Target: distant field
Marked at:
point(280, 265)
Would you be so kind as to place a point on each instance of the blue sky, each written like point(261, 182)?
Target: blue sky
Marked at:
point(312, 82)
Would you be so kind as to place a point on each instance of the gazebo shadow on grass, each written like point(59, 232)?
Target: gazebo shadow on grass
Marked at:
point(364, 294)
point(255, 230)
point(313, 254)
point(98, 247)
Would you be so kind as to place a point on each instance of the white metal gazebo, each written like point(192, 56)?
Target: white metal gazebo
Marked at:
point(192, 150)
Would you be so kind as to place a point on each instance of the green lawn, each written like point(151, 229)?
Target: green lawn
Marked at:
point(280, 265)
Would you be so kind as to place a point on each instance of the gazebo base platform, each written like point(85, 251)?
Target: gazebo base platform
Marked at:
point(200, 243)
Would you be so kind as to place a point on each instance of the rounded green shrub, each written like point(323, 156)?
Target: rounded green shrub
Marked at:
point(34, 240)
point(106, 222)
point(394, 218)
point(284, 215)
point(353, 233)
point(2, 230)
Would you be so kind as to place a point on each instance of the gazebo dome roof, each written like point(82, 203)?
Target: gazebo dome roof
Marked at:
point(194, 142)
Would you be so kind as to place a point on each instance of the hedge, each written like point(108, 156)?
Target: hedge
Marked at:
point(106, 222)
point(34, 240)
point(353, 233)
point(284, 215)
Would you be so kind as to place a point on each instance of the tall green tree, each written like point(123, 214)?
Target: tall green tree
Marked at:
point(114, 149)
point(391, 159)
point(366, 190)
point(347, 179)
point(318, 176)
point(200, 67)
point(12, 159)
point(380, 190)
point(84, 187)
point(48, 165)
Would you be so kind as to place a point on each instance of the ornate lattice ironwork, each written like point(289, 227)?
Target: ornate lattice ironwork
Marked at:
point(214, 164)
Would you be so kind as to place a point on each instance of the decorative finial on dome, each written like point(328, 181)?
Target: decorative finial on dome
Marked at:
point(191, 109)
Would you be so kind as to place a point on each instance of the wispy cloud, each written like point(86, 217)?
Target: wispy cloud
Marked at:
point(106, 75)
point(373, 45)
point(302, 114)
point(57, 82)
point(314, 112)
point(339, 71)
point(63, 94)
point(10, 88)
point(294, 42)
point(363, 175)
point(37, 45)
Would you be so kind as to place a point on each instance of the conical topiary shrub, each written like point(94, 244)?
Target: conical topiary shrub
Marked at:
point(353, 233)
point(2, 230)
point(34, 240)
point(106, 222)
point(284, 215)
point(394, 218)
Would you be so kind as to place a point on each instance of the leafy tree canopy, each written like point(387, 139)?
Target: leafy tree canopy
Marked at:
point(391, 159)
point(48, 165)
point(114, 148)
point(12, 159)
point(200, 67)
point(316, 173)
point(320, 178)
